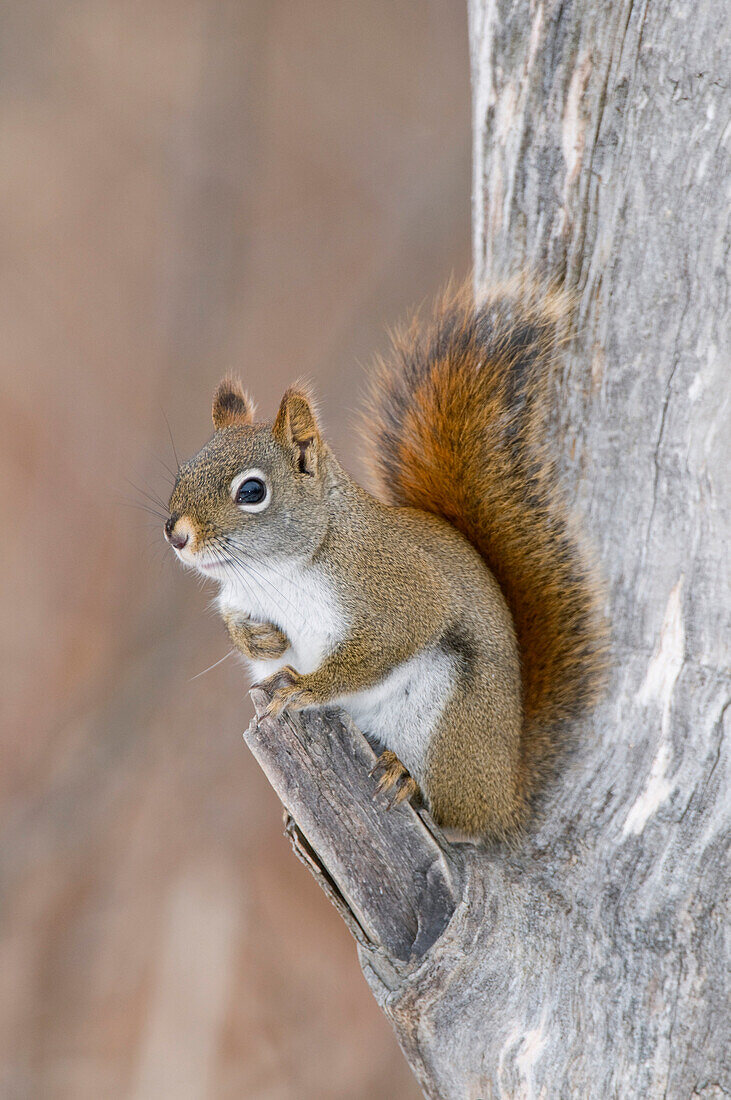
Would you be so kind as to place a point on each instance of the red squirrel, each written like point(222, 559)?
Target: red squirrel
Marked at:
point(455, 615)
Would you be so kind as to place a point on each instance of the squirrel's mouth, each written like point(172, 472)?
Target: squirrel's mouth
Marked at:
point(211, 566)
point(219, 564)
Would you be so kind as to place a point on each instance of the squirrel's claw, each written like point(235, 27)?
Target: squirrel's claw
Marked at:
point(408, 790)
point(274, 707)
point(394, 781)
point(285, 690)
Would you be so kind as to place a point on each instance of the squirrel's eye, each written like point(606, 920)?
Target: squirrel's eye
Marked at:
point(251, 491)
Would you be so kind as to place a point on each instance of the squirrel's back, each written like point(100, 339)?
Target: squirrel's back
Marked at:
point(457, 425)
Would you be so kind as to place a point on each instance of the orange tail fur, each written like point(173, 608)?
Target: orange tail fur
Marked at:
point(457, 426)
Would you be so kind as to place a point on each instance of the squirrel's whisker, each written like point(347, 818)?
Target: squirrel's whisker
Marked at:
point(232, 564)
point(144, 508)
point(245, 564)
point(156, 500)
point(167, 469)
point(214, 665)
point(172, 441)
point(229, 566)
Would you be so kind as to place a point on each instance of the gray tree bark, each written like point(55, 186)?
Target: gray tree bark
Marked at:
point(590, 963)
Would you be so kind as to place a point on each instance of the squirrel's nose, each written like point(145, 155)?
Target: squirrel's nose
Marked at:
point(177, 541)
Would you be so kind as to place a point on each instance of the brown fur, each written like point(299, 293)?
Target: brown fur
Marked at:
point(232, 405)
point(457, 427)
point(295, 429)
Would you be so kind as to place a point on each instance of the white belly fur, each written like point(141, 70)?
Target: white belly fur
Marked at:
point(400, 712)
point(299, 601)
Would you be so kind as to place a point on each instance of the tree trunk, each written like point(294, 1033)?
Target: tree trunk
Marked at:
point(590, 963)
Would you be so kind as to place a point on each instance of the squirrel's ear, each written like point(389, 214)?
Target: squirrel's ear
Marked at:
point(297, 431)
point(231, 405)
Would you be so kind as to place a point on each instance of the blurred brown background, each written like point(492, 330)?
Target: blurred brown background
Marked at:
point(188, 187)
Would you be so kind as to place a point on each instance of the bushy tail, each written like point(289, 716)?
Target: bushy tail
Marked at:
point(457, 426)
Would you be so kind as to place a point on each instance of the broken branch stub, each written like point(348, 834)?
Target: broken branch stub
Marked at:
point(384, 868)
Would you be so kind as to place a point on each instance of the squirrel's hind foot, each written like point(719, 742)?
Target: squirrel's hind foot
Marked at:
point(394, 781)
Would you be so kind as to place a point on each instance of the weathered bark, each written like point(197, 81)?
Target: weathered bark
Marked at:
point(590, 963)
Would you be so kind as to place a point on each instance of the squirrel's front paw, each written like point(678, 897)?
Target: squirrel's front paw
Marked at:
point(394, 780)
point(267, 642)
point(259, 641)
point(286, 689)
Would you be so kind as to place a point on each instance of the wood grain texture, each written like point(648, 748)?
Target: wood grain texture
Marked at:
point(592, 961)
point(599, 133)
point(380, 864)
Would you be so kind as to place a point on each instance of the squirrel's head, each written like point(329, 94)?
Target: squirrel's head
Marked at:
point(255, 491)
